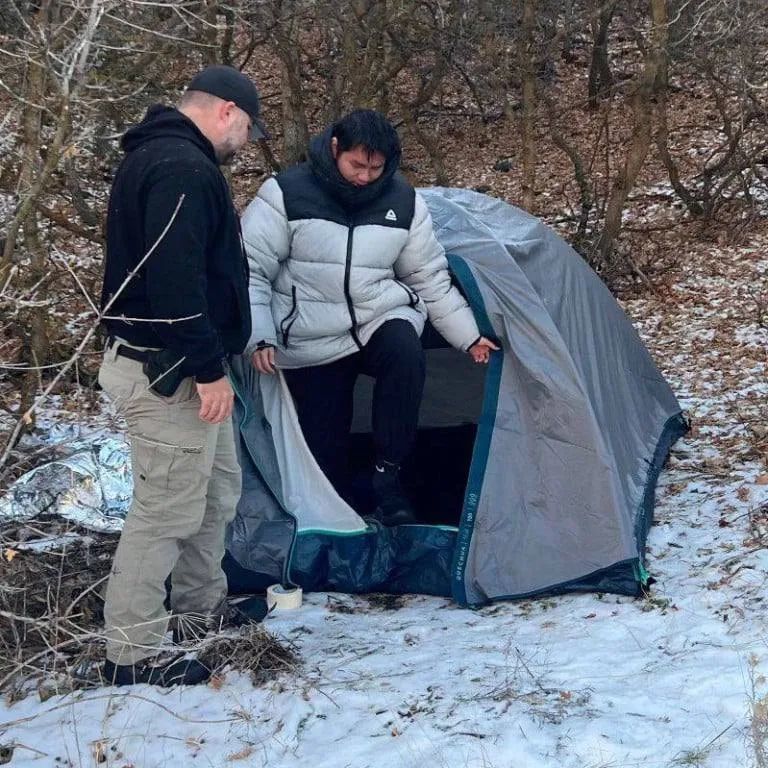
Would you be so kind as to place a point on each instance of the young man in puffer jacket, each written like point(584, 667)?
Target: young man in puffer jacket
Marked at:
point(345, 268)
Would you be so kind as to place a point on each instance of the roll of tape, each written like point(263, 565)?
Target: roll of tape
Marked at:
point(282, 598)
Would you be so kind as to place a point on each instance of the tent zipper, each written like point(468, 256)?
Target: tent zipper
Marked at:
point(347, 295)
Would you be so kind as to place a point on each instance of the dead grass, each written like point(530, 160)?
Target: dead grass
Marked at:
point(758, 717)
point(382, 601)
point(50, 602)
point(51, 615)
point(253, 650)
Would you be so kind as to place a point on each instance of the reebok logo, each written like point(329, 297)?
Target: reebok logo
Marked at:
point(390, 215)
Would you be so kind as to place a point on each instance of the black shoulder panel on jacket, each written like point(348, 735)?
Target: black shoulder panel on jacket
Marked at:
point(394, 208)
point(306, 198)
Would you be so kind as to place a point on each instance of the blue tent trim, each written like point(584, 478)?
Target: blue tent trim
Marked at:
point(425, 559)
point(485, 427)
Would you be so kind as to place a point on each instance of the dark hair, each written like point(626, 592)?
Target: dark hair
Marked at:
point(367, 128)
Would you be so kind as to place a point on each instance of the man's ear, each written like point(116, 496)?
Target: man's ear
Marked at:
point(225, 110)
point(334, 147)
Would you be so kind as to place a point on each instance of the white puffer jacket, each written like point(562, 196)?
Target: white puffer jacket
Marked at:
point(323, 279)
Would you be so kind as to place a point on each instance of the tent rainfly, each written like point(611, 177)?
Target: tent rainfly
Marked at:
point(534, 474)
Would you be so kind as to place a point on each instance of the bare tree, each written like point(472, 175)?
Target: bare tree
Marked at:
point(528, 76)
point(722, 48)
point(600, 79)
point(650, 82)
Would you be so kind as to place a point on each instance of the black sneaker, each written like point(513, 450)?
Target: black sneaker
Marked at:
point(392, 506)
point(176, 671)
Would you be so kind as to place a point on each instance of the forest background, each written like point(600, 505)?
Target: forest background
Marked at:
point(638, 130)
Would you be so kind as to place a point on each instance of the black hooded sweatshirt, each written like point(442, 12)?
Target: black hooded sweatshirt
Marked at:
point(198, 268)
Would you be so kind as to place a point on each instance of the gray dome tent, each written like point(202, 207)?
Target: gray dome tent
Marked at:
point(534, 474)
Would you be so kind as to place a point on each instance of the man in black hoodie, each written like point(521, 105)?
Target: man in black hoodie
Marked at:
point(175, 303)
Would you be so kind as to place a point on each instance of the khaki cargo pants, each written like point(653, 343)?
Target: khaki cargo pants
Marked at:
point(187, 483)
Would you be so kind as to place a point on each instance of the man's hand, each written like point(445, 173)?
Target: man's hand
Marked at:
point(481, 350)
point(264, 360)
point(216, 400)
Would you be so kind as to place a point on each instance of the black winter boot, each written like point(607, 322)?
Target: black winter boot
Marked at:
point(392, 506)
point(175, 671)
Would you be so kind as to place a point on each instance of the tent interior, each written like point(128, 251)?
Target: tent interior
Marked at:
point(435, 475)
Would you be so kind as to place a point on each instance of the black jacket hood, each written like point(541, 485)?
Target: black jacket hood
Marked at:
point(163, 122)
point(324, 167)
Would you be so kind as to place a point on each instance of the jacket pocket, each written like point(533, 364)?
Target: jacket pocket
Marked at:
point(287, 322)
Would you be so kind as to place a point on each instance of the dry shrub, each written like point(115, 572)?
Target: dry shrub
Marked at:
point(51, 615)
point(253, 650)
point(50, 601)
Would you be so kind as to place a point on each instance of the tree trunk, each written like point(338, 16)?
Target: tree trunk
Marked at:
point(285, 43)
point(640, 139)
point(209, 32)
point(431, 144)
point(29, 202)
point(695, 208)
point(600, 78)
point(526, 56)
point(586, 201)
point(295, 128)
point(228, 38)
point(31, 126)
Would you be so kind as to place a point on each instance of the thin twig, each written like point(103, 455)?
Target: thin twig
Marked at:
point(111, 697)
point(26, 417)
point(72, 272)
point(169, 321)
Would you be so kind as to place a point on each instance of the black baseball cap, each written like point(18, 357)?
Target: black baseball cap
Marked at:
point(231, 84)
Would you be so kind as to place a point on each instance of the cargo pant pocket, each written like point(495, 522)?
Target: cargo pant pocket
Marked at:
point(160, 469)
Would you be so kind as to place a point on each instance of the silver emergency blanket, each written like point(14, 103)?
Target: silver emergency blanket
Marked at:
point(91, 487)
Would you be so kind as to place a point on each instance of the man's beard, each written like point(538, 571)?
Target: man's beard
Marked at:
point(225, 155)
point(225, 152)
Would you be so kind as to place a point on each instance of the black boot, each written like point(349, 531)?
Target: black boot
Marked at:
point(239, 612)
point(392, 506)
point(231, 613)
point(175, 671)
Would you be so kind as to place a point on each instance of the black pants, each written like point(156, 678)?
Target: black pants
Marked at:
point(323, 395)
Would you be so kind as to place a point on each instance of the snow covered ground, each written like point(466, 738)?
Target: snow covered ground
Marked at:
point(579, 681)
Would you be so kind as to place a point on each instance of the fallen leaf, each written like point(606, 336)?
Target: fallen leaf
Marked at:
point(99, 751)
point(243, 754)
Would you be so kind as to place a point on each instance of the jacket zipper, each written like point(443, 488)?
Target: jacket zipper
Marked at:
point(243, 252)
point(286, 329)
point(413, 297)
point(347, 295)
